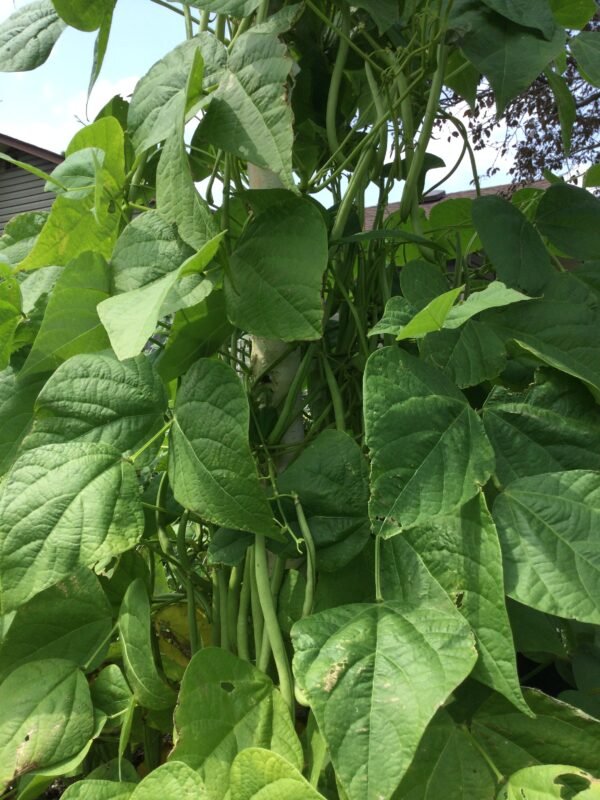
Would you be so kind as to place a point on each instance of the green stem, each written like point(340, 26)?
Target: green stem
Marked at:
point(257, 616)
point(263, 11)
point(204, 20)
point(272, 629)
point(288, 410)
point(145, 446)
point(378, 594)
point(189, 587)
point(171, 8)
point(233, 601)
point(357, 182)
point(189, 31)
point(223, 592)
point(244, 611)
point(335, 83)
point(220, 27)
point(410, 191)
point(216, 610)
point(311, 560)
point(336, 396)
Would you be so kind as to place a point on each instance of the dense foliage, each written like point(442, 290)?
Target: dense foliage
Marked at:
point(292, 508)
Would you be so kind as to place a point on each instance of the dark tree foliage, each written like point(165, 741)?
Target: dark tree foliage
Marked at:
point(532, 129)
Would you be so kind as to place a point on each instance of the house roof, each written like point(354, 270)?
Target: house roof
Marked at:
point(438, 197)
point(10, 143)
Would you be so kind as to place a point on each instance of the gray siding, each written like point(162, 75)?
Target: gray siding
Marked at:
point(20, 190)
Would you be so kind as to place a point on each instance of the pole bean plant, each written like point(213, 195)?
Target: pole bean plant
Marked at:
point(300, 501)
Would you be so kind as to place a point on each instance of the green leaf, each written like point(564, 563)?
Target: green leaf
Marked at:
point(546, 782)
point(447, 764)
point(196, 332)
point(76, 226)
point(69, 620)
point(565, 103)
point(95, 398)
point(10, 312)
point(528, 13)
point(71, 324)
point(148, 687)
point(258, 774)
point(463, 554)
point(28, 36)
point(549, 526)
point(174, 779)
point(78, 174)
point(46, 717)
point(429, 453)
point(85, 15)
point(573, 14)
point(98, 790)
point(586, 49)
point(130, 318)
point(551, 426)
point(421, 282)
point(374, 675)
point(495, 295)
point(570, 218)
point(330, 477)
point(470, 355)
point(494, 45)
point(273, 285)
point(100, 46)
point(249, 114)
point(558, 732)
point(397, 313)
point(561, 330)
point(225, 706)
point(432, 317)
point(211, 468)
point(61, 506)
point(20, 234)
point(512, 244)
point(17, 398)
point(160, 96)
point(110, 692)
point(384, 13)
point(177, 199)
point(591, 179)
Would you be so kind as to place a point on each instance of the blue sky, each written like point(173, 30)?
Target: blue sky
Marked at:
point(47, 106)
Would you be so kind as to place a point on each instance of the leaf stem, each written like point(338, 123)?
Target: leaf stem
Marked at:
point(378, 594)
point(311, 559)
point(145, 446)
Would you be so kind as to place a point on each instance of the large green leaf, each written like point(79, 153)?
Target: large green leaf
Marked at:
point(86, 15)
point(225, 706)
point(258, 774)
point(586, 49)
point(374, 675)
point(562, 329)
point(174, 779)
point(552, 781)
point(470, 355)
point(397, 313)
point(512, 244)
point(549, 526)
point(110, 692)
point(330, 477)
point(249, 114)
point(97, 789)
point(96, 398)
point(551, 426)
point(429, 452)
point(46, 717)
point(558, 732)
point(69, 620)
point(430, 318)
point(273, 285)
point(148, 687)
point(570, 218)
point(160, 97)
point(528, 13)
point(463, 554)
point(71, 324)
point(566, 106)
point(17, 397)
point(130, 318)
point(574, 14)
point(64, 505)
point(494, 45)
point(211, 468)
point(10, 313)
point(196, 332)
point(422, 281)
point(447, 764)
point(28, 36)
